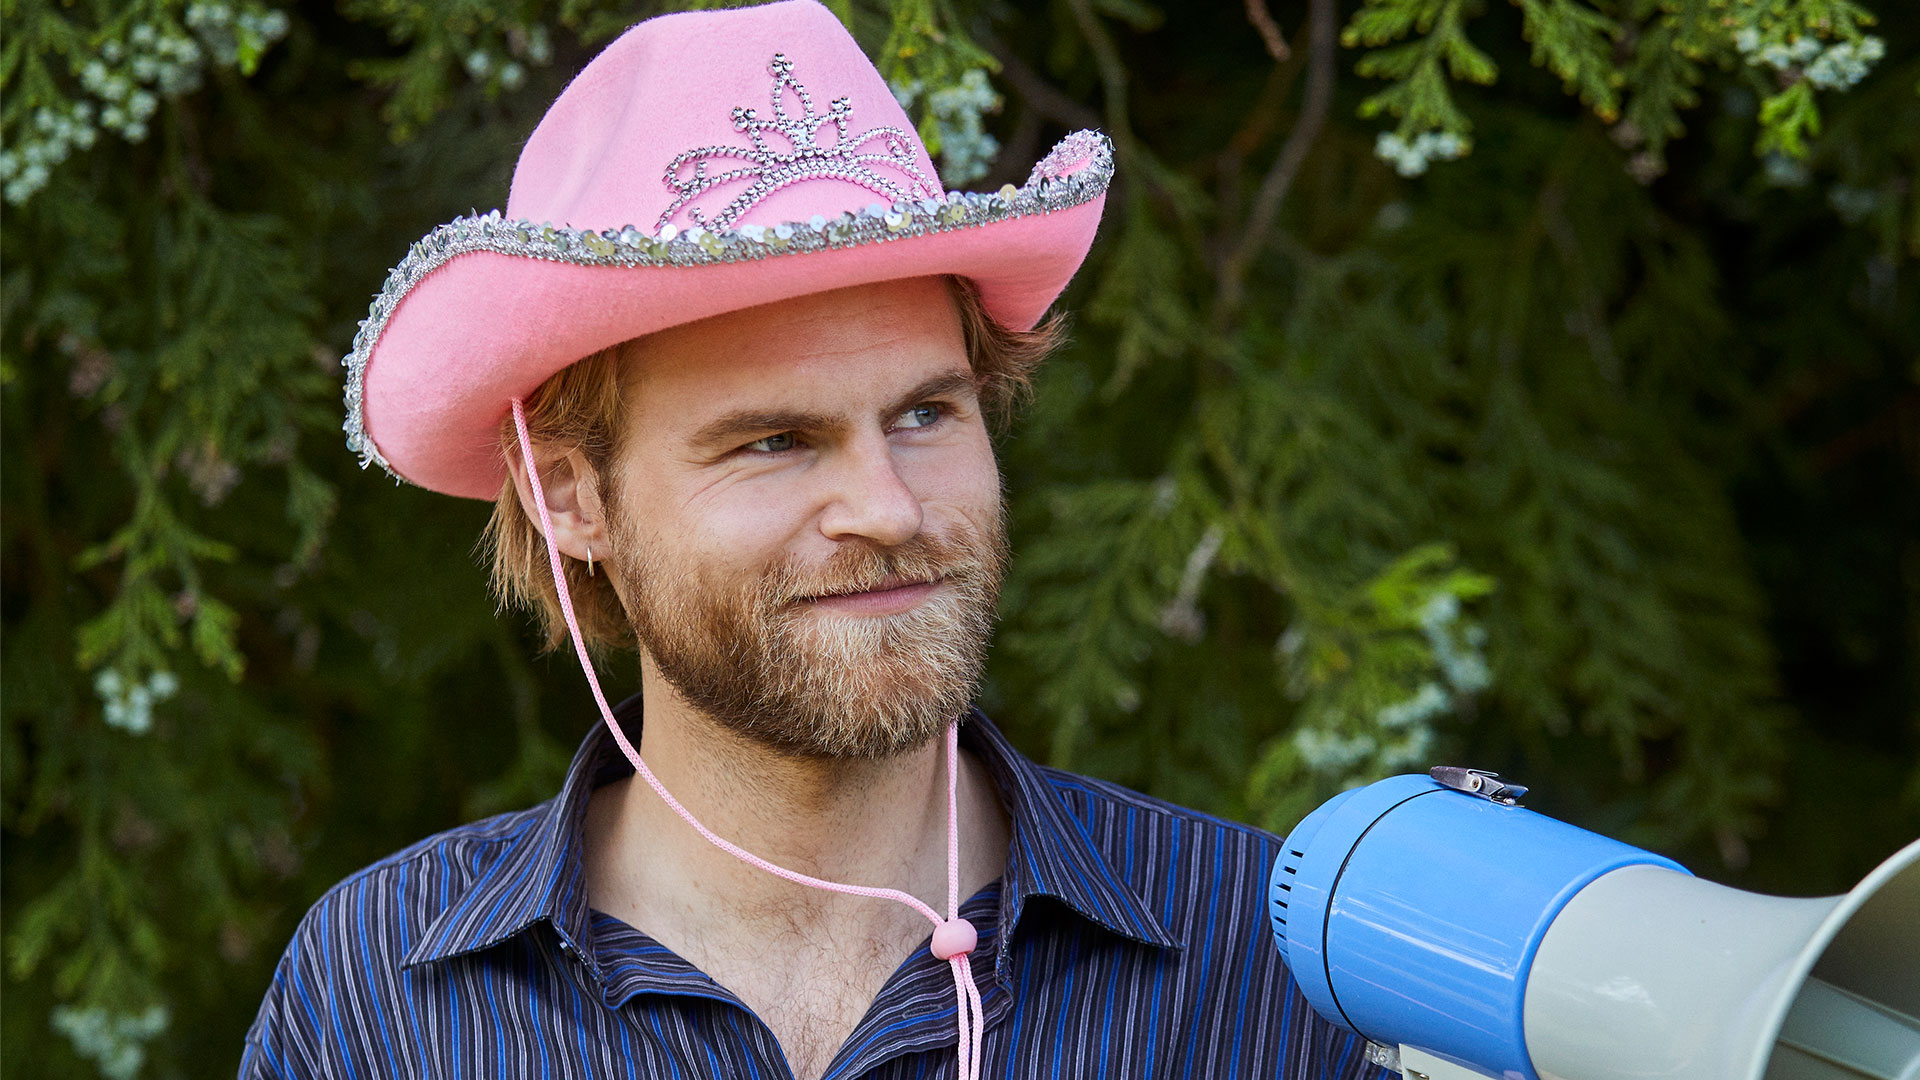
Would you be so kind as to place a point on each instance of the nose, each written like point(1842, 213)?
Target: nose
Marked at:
point(869, 498)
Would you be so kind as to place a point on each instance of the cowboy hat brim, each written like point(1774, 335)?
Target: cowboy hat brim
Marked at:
point(467, 322)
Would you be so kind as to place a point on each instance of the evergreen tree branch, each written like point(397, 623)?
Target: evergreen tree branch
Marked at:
point(1269, 31)
point(1039, 94)
point(1113, 74)
point(1286, 165)
point(1263, 116)
point(1137, 159)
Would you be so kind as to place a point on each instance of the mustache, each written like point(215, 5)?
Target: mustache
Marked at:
point(864, 566)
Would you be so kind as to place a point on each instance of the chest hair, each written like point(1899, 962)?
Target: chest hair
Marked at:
point(811, 987)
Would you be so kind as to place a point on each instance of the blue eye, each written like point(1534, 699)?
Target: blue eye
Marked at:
point(919, 416)
point(773, 444)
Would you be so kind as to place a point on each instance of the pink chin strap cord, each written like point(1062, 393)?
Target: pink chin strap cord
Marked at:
point(954, 938)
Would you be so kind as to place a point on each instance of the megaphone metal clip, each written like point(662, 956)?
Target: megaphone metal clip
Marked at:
point(1487, 785)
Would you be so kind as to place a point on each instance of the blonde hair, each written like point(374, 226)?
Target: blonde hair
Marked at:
point(582, 407)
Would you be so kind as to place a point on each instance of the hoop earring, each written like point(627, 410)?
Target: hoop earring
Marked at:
point(589, 560)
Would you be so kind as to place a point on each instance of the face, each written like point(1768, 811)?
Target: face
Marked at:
point(806, 518)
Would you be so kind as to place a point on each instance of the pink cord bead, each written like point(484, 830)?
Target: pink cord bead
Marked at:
point(953, 938)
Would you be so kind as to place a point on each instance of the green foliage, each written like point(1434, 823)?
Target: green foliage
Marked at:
point(1552, 461)
point(1805, 46)
point(1575, 42)
point(1664, 68)
point(1420, 97)
point(447, 44)
point(126, 63)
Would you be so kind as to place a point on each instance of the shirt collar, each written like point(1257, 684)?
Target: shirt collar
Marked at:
point(1052, 854)
point(538, 876)
point(537, 873)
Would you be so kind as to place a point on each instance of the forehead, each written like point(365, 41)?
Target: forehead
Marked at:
point(834, 353)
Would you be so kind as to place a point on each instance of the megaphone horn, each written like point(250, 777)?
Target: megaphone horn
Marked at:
point(1467, 937)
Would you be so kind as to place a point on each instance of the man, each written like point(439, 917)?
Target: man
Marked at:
point(755, 435)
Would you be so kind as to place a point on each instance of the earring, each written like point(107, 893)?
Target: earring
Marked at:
point(589, 560)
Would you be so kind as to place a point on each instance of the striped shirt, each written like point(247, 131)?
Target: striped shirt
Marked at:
point(1125, 938)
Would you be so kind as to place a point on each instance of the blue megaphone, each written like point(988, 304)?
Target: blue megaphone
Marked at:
point(1466, 937)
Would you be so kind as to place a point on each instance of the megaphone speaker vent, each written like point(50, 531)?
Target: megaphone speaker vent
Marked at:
point(1287, 907)
point(1285, 870)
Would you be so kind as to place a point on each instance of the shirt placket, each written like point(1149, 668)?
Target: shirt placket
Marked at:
point(905, 1024)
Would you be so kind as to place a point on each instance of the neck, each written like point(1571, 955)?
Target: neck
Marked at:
point(880, 822)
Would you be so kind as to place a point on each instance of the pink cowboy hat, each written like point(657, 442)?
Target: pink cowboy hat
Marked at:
point(704, 163)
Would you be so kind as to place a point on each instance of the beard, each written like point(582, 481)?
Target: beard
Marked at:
point(758, 659)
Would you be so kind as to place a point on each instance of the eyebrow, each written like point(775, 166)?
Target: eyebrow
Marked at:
point(739, 425)
point(946, 385)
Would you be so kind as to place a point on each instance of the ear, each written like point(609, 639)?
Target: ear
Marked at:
point(573, 501)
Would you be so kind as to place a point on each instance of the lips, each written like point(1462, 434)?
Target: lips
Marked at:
point(891, 583)
point(889, 596)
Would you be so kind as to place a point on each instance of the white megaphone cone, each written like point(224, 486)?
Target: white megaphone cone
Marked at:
point(1466, 937)
point(1647, 972)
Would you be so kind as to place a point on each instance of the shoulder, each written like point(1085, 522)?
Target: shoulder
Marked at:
point(1140, 829)
point(1105, 796)
point(354, 941)
point(447, 859)
point(1205, 879)
point(398, 896)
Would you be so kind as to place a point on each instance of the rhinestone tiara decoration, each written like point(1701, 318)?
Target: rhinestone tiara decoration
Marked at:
point(1077, 171)
point(770, 170)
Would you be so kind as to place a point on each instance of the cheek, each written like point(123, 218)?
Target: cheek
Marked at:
point(720, 530)
point(963, 477)
point(746, 523)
